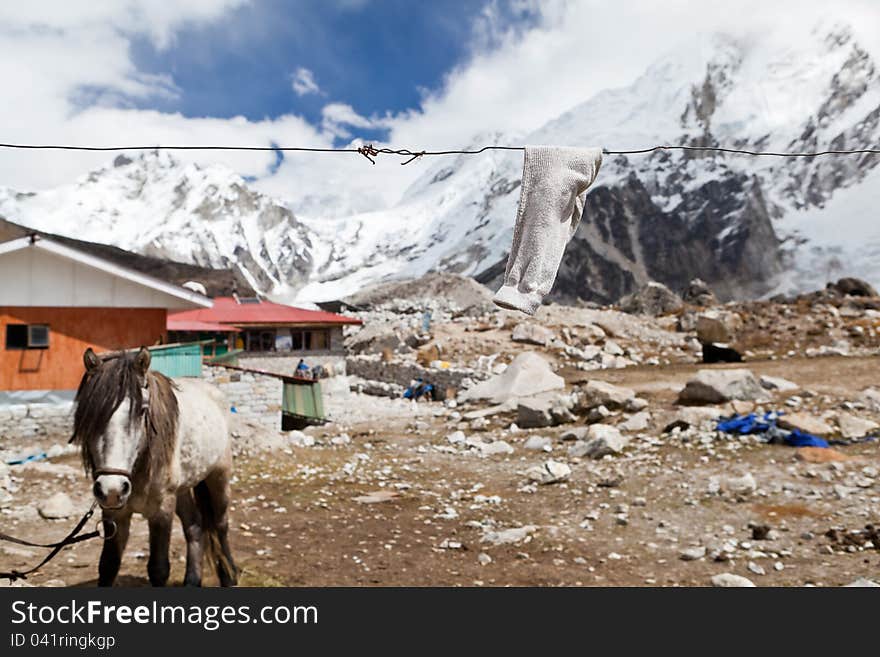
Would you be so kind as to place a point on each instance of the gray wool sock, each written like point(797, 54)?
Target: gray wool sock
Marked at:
point(554, 185)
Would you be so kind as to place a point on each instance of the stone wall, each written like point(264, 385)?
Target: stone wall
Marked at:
point(23, 421)
point(254, 396)
point(373, 368)
point(286, 364)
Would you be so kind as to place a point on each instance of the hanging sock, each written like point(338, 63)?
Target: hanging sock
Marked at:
point(551, 201)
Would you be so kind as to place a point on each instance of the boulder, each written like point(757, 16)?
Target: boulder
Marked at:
point(495, 447)
point(852, 426)
point(600, 393)
point(538, 444)
point(529, 374)
point(718, 326)
point(806, 423)
point(698, 293)
point(545, 410)
point(377, 338)
point(652, 299)
point(636, 422)
point(532, 334)
point(549, 472)
point(854, 287)
point(600, 440)
point(57, 507)
point(718, 386)
point(778, 383)
point(729, 580)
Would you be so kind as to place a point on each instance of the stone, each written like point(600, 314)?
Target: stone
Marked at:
point(820, 455)
point(549, 472)
point(604, 440)
point(652, 299)
point(692, 553)
point(613, 348)
point(577, 433)
point(743, 485)
point(718, 386)
point(778, 384)
point(806, 423)
point(855, 287)
point(729, 580)
point(57, 507)
point(484, 559)
point(456, 437)
point(862, 582)
point(495, 448)
point(636, 422)
point(300, 439)
point(509, 536)
point(755, 568)
point(598, 414)
point(341, 439)
point(600, 393)
point(852, 426)
point(377, 497)
point(378, 337)
point(698, 293)
point(529, 374)
point(718, 326)
point(532, 334)
point(538, 443)
point(635, 405)
point(544, 410)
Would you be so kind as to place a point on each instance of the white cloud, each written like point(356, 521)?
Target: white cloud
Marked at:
point(514, 81)
point(303, 82)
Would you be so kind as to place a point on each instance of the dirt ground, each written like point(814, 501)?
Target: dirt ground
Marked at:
point(621, 521)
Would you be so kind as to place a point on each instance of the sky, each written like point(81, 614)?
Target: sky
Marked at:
point(412, 74)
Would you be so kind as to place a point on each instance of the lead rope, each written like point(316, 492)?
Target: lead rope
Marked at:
point(70, 539)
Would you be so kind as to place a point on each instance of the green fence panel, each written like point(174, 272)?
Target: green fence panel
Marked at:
point(177, 360)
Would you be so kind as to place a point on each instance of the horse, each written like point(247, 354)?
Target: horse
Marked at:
point(157, 447)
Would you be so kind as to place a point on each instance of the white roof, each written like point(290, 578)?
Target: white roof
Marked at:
point(46, 273)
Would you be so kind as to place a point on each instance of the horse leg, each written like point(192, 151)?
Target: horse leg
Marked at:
point(191, 520)
point(218, 486)
point(111, 553)
point(159, 566)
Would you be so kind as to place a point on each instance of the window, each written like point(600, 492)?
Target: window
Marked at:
point(27, 336)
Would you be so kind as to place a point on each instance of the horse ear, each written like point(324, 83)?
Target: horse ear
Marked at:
point(142, 361)
point(91, 360)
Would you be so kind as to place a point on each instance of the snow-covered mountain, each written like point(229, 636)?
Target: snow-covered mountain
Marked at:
point(747, 225)
point(155, 205)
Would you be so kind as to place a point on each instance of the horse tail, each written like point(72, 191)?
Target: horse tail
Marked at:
point(218, 560)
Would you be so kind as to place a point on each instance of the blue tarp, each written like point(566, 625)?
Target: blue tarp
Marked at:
point(752, 424)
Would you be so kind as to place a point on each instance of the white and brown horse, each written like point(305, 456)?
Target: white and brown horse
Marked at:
point(155, 446)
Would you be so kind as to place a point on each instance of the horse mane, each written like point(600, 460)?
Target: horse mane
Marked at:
point(102, 389)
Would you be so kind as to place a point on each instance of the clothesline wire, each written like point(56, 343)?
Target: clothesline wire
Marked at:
point(370, 152)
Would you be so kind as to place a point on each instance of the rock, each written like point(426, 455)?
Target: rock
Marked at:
point(636, 422)
point(456, 437)
point(718, 386)
point(806, 423)
point(341, 439)
point(484, 559)
point(862, 582)
point(377, 337)
point(58, 506)
point(300, 439)
point(729, 580)
point(598, 414)
point(509, 536)
point(778, 383)
point(744, 485)
point(612, 348)
point(577, 433)
point(532, 334)
point(854, 287)
point(698, 293)
point(549, 472)
point(720, 353)
point(692, 553)
point(604, 440)
point(635, 405)
point(600, 393)
point(755, 568)
point(538, 443)
point(652, 299)
point(544, 410)
point(529, 374)
point(870, 397)
point(377, 497)
point(718, 326)
point(496, 447)
point(852, 426)
point(820, 455)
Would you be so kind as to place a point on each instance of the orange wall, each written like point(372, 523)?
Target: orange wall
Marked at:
point(71, 331)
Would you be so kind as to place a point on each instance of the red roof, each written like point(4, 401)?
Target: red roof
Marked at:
point(174, 324)
point(228, 311)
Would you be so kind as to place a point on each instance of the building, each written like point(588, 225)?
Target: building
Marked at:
point(272, 335)
point(57, 300)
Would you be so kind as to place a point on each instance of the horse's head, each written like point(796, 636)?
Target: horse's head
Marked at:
point(112, 422)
